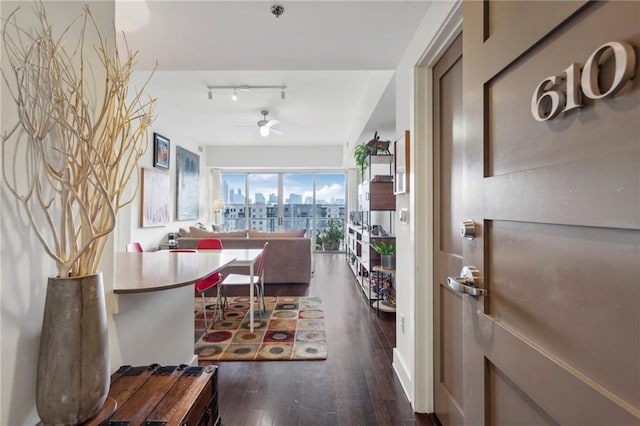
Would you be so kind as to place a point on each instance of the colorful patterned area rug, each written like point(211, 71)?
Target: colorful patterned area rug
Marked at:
point(292, 328)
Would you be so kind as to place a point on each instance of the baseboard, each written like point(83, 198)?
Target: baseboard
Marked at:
point(403, 374)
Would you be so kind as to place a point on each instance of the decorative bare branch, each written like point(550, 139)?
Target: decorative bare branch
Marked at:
point(72, 156)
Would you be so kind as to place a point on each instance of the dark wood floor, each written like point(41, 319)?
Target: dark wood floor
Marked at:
point(356, 385)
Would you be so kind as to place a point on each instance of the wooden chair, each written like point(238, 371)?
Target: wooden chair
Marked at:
point(245, 279)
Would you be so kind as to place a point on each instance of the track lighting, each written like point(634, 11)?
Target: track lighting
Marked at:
point(246, 88)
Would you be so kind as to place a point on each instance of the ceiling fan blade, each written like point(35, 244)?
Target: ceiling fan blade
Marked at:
point(272, 123)
point(276, 131)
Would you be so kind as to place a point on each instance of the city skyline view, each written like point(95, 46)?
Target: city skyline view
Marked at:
point(297, 188)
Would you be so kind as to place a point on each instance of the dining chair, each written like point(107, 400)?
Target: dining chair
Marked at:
point(211, 281)
point(134, 247)
point(245, 279)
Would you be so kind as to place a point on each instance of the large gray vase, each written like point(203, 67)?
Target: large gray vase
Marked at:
point(73, 365)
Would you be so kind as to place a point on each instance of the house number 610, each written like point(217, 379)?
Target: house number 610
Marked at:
point(549, 100)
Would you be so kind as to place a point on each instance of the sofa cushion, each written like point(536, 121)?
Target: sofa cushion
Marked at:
point(199, 233)
point(285, 234)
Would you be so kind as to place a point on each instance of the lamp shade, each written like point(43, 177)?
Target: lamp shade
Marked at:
point(218, 205)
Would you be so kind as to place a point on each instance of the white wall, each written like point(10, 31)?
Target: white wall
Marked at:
point(413, 353)
point(24, 267)
point(276, 157)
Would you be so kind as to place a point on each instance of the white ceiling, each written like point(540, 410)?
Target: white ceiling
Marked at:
point(336, 57)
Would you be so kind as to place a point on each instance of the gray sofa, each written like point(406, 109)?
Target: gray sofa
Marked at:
point(288, 258)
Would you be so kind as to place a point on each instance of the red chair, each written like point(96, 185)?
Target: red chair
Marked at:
point(134, 247)
point(211, 281)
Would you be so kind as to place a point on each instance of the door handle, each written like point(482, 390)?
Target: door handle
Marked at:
point(467, 282)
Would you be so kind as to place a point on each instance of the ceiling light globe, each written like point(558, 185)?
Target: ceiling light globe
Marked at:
point(264, 131)
point(234, 97)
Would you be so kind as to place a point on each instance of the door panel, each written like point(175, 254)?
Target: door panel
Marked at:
point(556, 340)
point(448, 145)
point(509, 405)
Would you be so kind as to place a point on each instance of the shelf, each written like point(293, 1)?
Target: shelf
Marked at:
point(377, 205)
point(381, 159)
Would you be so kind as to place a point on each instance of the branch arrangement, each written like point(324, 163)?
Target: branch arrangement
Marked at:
point(70, 156)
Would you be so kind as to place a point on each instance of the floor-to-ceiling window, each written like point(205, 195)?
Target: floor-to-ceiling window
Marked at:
point(270, 202)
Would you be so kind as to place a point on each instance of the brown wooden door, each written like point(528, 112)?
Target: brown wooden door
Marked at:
point(556, 340)
point(448, 144)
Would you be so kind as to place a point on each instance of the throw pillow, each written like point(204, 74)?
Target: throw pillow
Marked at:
point(183, 232)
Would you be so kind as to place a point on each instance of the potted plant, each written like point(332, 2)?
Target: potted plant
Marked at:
point(360, 154)
point(68, 161)
point(387, 252)
point(332, 235)
point(318, 243)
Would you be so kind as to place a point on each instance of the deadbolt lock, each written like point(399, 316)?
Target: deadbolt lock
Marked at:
point(468, 229)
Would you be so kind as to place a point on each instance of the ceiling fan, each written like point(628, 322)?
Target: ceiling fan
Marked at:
point(266, 126)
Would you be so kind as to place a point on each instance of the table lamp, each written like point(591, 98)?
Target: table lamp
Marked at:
point(218, 206)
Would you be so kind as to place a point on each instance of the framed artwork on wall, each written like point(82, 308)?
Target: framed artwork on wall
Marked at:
point(160, 152)
point(401, 164)
point(155, 190)
point(187, 184)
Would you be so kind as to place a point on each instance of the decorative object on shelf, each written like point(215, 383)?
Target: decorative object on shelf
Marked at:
point(378, 147)
point(382, 178)
point(161, 152)
point(378, 231)
point(332, 235)
point(387, 252)
point(68, 161)
point(187, 184)
point(401, 164)
point(155, 198)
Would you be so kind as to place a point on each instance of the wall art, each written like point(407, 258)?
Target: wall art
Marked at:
point(187, 184)
point(155, 198)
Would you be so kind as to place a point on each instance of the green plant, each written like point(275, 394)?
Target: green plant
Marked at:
point(384, 248)
point(360, 154)
point(334, 231)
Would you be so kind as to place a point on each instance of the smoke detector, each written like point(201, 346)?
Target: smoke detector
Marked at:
point(277, 10)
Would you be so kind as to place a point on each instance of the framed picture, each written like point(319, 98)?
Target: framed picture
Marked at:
point(155, 198)
point(401, 164)
point(187, 184)
point(160, 152)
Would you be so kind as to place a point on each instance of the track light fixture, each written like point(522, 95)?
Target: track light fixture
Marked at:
point(246, 88)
